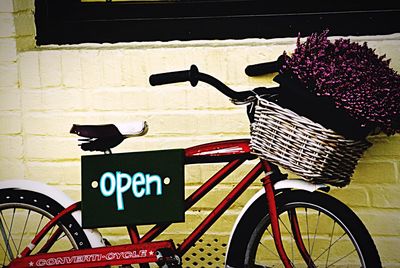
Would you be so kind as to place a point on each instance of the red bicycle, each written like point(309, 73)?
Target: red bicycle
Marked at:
point(288, 223)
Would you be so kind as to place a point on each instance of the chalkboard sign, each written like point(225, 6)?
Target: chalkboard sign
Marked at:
point(133, 188)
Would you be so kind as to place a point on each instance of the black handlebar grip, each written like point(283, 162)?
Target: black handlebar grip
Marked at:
point(169, 78)
point(175, 77)
point(264, 68)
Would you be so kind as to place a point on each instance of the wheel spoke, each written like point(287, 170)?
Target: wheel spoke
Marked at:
point(7, 251)
point(52, 239)
point(345, 256)
point(61, 237)
point(307, 228)
point(286, 228)
point(8, 238)
point(330, 245)
point(23, 231)
point(290, 234)
point(272, 236)
point(315, 233)
point(6, 257)
point(268, 249)
point(38, 226)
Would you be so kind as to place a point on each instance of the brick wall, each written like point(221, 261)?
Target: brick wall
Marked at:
point(44, 90)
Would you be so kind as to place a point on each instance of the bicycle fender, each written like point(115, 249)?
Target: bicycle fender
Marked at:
point(280, 185)
point(93, 235)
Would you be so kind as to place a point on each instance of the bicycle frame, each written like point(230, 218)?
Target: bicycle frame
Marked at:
point(142, 249)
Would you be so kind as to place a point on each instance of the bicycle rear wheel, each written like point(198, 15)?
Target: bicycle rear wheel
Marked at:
point(23, 214)
point(331, 233)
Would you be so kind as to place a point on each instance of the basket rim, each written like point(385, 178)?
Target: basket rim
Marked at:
point(300, 118)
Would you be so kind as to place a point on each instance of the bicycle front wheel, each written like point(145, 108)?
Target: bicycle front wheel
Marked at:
point(23, 214)
point(331, 233)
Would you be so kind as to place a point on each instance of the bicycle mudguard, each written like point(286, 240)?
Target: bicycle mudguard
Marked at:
point(280, 185)
point(65, 201)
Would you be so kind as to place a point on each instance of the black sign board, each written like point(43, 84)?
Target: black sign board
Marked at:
point(133, 188)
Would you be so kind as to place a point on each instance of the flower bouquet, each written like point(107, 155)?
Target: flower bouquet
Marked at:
point(342, 85)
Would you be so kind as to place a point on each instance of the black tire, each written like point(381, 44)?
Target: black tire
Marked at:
point(23, 213)
point(332, 233)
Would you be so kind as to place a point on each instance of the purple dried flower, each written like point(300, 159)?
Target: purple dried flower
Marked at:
point(358, 80)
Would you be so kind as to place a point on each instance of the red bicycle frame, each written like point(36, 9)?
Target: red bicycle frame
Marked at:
point(142, 249)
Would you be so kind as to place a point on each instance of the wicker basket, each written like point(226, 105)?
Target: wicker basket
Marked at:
point(302, 146)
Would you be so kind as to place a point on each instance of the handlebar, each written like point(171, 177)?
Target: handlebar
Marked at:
point(265, 68)
point(194, 76)
point(176, 77)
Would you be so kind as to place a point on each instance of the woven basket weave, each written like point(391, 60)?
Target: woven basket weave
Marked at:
point(302, 146)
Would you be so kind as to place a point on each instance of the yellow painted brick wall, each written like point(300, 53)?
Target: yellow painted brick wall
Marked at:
point(44, 90)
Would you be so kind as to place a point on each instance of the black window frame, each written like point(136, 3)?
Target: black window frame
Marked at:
point(74, 22)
